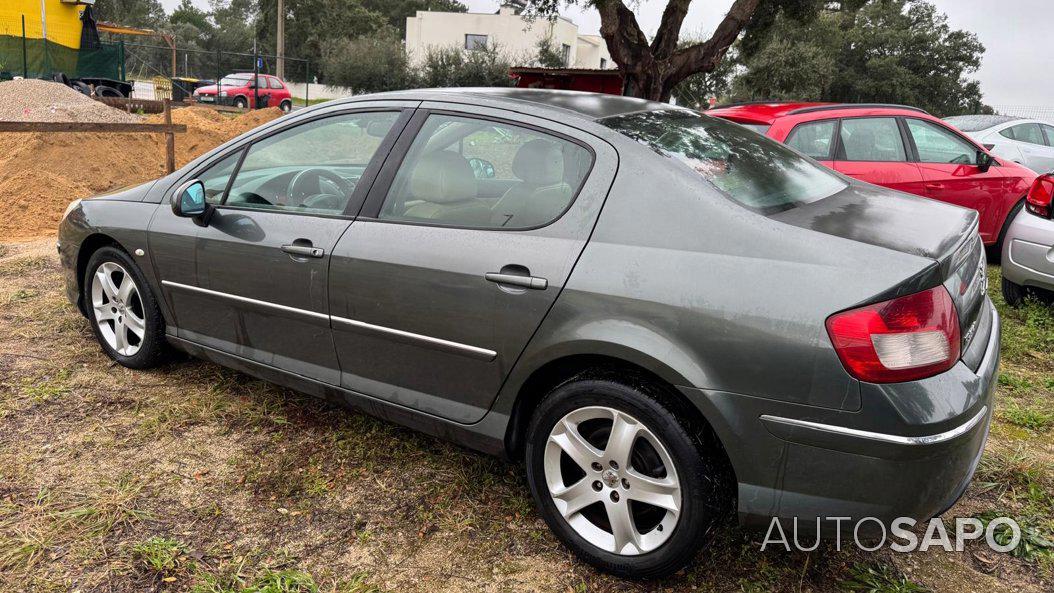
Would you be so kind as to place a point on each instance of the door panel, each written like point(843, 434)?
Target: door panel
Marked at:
point(416, 320)
point(254, 281)
point(948, 165)
point(872, 149)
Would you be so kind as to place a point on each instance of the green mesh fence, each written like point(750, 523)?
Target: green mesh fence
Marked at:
point(36, 58)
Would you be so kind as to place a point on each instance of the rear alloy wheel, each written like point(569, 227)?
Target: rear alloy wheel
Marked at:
point(124, 315)
point(621, 479)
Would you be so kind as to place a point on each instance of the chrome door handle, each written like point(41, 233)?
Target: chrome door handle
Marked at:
point(304, 250)
point(530, 282)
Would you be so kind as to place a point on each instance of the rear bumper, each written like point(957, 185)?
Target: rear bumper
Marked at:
point(1028, 252)
point(910, 457)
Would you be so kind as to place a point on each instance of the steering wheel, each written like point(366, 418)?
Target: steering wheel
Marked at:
point(300, 183)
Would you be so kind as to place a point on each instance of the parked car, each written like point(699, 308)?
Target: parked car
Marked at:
point(901, 148)
point(1028, 254)
point(1029, 142)
point(238, 90)
point(666, 317)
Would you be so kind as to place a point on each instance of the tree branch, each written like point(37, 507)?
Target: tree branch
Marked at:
point(626, 43)
point(669, 32)
point(704, 57)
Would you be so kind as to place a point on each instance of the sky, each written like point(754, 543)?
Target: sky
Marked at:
point(1017, 69)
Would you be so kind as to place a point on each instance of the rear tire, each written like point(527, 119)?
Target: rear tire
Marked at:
point(1013, 294)
point(108, 91)
point(995, 252)
point(664, 461)
point(123, 313)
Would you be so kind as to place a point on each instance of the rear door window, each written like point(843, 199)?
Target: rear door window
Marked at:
point(872, 139)
point(1049, 132)
point(814, 139)
point(1030, 133)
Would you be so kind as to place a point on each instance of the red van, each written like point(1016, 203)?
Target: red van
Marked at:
point(902, 148)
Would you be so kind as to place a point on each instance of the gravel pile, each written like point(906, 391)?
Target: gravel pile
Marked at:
point(43, 101)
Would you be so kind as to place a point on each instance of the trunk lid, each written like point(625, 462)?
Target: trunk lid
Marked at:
point(910, 224)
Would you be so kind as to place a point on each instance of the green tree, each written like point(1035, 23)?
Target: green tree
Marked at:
point(454, 67)
point(652, 69)
point(396, 11)
point(874, 51)
point(368, 64)
point(548, 55)
point(148, 14)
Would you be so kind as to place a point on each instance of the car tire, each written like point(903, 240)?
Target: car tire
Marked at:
point(1013, 294)
point(125, 318)
point(286, 106)
point(241, 103)
point(108, 91)
point(995, 252)
point(662, 540)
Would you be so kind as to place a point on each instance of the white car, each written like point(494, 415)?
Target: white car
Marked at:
point(1029, 142)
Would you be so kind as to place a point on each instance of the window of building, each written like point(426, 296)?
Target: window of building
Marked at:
point(565, 53)
point(474, 42)
point(603, 63)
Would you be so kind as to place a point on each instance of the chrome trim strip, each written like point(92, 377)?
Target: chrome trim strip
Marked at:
point(882, 437)
point(437, 343)
point(241, 299)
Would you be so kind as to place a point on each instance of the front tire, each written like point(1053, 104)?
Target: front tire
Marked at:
point(286, 106)
point(620, 477)
point(1013, 294)
point(123, 313)
point(241, 103)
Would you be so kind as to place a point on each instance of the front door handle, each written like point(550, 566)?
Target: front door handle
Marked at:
point(530, 282)
point(304, 250)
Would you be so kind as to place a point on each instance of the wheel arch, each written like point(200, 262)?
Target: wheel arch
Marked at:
point(623, 363)
point(89, 246)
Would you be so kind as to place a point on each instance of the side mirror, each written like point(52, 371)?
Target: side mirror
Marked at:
point(189, 202)
point(984, 161)
point(482, 169)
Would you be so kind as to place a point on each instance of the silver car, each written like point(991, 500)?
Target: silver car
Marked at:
point(666, 317)
point(1029, 142)
point(1028, 251)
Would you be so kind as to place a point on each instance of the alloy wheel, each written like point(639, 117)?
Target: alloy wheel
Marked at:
point(118, 308)
point(612, 480)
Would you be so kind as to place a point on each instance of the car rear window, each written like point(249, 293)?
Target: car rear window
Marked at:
point(754, 171)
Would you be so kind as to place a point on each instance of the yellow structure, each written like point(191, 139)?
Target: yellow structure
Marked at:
point(58, 21)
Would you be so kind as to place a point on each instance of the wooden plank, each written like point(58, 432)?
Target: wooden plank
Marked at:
point(32, 126)
point(170, 140)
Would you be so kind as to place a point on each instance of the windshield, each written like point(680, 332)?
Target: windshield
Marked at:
point(235, 79)
point(756, 172)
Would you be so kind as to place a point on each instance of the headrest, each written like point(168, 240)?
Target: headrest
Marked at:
point(539, 162)
point(443, 177)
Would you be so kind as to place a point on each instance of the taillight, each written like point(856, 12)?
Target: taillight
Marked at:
point(1038, 201)
point(907, 338)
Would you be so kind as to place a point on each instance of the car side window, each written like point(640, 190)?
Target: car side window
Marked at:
point(1049, 132)
point(1030, 133)
point(275, 83)
point(1007, 133)
point(939, 145)
point(468, 172)
point(814, 139)
point(310, 168)
point(216, 177)
point(873, 139)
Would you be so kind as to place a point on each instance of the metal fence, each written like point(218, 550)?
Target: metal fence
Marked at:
point(1026, 111)
point(144, 62)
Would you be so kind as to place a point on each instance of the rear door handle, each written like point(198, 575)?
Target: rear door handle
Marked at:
point(304, 250)
point(530, 282)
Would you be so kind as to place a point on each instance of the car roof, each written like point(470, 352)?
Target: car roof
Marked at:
point(591, 106)
point(768, 112)
point(976, 123)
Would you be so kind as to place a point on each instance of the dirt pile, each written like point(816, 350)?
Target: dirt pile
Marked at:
point(40, 173)
point(43, 101)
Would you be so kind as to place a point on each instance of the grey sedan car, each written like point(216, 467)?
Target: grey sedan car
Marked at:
point(1028, 251)
point(666, 317)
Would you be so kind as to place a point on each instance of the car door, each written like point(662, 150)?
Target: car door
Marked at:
point(873, 149)
point(1031, 143)
point(949, 166)
point(815, 139)
point(436, 288)
point(258, 287)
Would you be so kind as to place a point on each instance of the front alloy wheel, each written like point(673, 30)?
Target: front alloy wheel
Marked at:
point(118, 309)
point(612, 480)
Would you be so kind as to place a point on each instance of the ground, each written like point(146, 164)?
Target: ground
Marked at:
point(197, 478)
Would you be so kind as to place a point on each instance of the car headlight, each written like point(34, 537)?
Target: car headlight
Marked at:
point(70, 208)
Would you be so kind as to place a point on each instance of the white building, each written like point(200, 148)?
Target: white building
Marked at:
point(512, 34)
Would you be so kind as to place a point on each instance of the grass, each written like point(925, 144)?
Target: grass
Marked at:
point(197, 478)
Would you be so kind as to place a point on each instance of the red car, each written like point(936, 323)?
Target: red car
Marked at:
point(898, 147)
point(238, 90)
